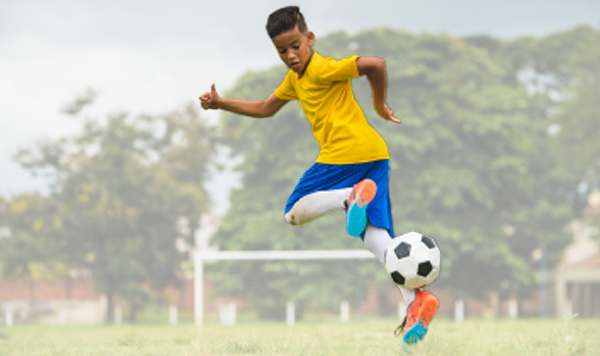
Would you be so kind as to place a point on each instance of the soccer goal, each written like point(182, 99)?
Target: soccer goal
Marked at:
point(315, 275)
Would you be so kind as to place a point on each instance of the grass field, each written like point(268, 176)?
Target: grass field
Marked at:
point(577, 337)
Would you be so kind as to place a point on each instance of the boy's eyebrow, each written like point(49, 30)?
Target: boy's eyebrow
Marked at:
point(291, 43)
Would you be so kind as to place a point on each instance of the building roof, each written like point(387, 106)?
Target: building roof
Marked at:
point(591, 211)
point(590, 263)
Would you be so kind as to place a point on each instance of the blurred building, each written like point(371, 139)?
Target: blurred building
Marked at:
point(577, 278)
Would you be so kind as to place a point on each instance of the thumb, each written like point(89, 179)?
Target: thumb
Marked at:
point(213, 89)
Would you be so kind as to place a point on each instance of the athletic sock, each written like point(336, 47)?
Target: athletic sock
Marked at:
point(409, 295)
point(377, 240)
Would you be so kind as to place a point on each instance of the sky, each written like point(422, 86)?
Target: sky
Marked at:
point(156, 56)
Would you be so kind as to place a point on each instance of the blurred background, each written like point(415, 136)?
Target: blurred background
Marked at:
point(113, 178)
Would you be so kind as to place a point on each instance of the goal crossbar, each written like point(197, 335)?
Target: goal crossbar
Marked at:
point(201, 256)
point(282, 255)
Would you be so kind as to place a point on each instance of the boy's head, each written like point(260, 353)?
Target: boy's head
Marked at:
point(285, 19)
point(289, 34)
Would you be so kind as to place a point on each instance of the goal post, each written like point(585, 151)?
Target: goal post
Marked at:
point(289, 255)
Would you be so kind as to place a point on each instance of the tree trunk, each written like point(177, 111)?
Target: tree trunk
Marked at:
point(132, 313)
point(109, 306)
point(31, 291)
point(68, 288)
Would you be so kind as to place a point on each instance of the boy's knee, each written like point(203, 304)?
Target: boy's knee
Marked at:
point(291, 219)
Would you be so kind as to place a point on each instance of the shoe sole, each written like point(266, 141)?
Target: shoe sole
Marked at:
point(364, 192)
point(418, 331)
point(414, 335)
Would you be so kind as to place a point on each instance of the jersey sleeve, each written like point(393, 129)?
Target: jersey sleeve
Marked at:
point(333, 70)
point(286, 90)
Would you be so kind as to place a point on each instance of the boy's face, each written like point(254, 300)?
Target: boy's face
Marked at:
point(294, 48)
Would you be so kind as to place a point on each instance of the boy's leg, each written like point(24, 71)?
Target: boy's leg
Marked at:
point(422, 305)
point(377, 240)
point(315, 205)
point(324, 188)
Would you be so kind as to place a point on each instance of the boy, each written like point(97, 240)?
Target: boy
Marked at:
point(352, 169)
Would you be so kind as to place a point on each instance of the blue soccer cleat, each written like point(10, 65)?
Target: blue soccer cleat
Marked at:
point(360, 197)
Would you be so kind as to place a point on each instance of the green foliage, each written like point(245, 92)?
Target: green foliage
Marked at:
point(578, 119)
point(81, 102)
point(543, 64)
point(561, 72)
point(29, 247)
point(123, 190)
point(472, 163)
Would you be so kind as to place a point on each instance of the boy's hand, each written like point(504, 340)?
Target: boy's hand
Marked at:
point(210, 100)
point(387, 113)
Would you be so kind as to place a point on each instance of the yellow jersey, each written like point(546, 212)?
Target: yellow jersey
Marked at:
point(338, 123)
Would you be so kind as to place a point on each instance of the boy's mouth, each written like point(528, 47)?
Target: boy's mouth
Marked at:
point(295, 65)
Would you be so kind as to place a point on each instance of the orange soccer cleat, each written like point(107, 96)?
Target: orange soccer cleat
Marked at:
point(418, 316)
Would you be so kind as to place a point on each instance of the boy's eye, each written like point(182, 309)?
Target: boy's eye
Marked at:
point(296, 47)
point(282, 51)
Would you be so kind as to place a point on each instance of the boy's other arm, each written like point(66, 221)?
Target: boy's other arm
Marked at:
point(253, 108)
point(374, 69)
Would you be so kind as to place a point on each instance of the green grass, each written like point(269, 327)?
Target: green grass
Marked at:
point(578, 337)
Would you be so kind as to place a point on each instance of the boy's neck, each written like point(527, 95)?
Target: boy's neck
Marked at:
point(301, 74)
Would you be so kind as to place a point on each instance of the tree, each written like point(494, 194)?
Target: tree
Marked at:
point(577, 124)
point(471, 166)
point(561, 72)
point(124, 187)
point(578, 119)
point(558, 71)
point(29, 247)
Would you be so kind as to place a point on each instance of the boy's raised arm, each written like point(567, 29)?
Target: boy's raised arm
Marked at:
point(253, 108)
point(374, 69)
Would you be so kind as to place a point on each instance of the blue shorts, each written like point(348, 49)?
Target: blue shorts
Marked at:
point(320, 177)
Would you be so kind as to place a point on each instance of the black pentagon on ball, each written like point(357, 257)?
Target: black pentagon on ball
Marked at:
point(402, 250)
point(428, 241)
point(398, 278)
point(424, 269)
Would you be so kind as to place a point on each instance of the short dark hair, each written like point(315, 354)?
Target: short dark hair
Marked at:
point(285, 19)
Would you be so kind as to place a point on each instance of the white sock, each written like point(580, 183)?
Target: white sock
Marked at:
point(409, 295)
point(377, 241)
point(315, 205)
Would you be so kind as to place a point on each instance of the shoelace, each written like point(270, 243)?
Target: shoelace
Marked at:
point(400, 328)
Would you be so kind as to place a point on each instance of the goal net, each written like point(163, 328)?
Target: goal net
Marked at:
point(292, 286)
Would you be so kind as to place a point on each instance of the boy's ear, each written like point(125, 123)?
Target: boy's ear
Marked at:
point(311, 37)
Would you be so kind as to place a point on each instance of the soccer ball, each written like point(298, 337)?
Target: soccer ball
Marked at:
point(412, 260)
